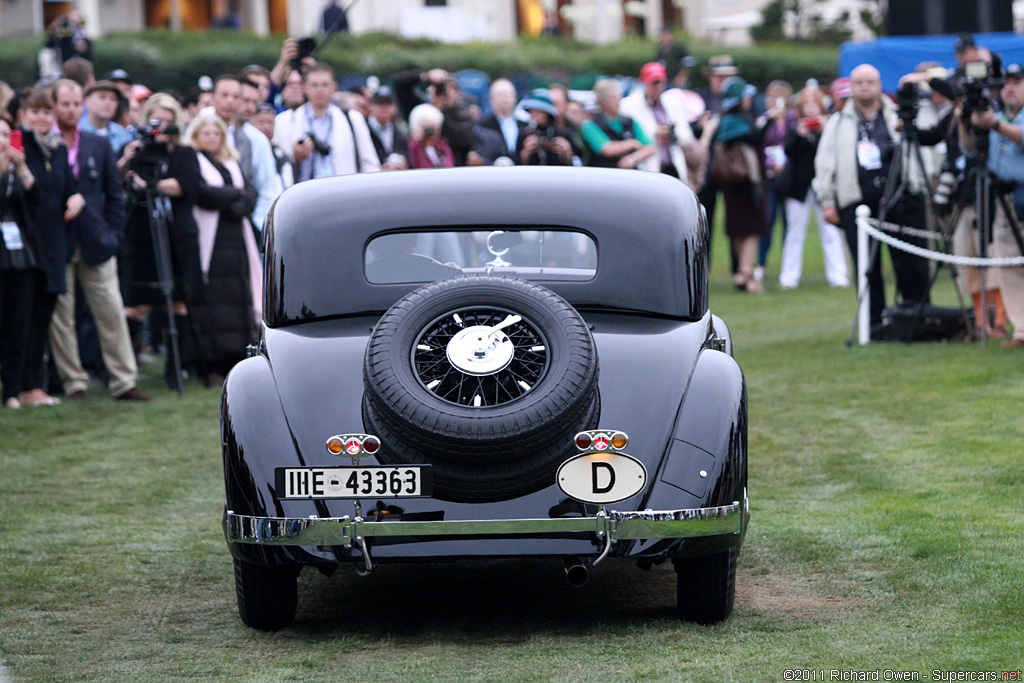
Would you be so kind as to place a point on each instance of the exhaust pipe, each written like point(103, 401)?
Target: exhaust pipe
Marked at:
point(577, 573)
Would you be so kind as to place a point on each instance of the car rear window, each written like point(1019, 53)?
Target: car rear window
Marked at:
point(428, 255)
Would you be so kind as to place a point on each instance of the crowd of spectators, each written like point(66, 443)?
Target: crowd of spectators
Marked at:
point(85, 163)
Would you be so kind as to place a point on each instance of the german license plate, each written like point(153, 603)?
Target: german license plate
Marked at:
point(354, 482)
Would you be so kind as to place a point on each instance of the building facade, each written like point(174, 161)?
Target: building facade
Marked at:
point(599, 21)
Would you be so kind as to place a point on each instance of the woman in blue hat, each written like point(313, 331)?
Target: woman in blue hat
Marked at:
point(746, 211)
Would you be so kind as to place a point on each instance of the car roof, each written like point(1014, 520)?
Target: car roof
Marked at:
point(648, 227)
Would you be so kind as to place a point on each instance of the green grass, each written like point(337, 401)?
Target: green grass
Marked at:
point(886, 489)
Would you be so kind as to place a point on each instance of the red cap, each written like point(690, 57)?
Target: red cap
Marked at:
point(653, 71)
point(841, 87)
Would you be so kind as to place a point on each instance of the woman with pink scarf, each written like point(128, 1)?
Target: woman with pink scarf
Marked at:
point(230, 261)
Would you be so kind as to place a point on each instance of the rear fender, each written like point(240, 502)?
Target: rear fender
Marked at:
point(255, 438)
point(705, 463)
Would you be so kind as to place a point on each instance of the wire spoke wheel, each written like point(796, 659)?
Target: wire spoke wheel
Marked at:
point(480, 356)
point(485, 378)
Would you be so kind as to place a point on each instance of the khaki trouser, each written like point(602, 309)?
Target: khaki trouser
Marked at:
point(965, 243)
point(1010, 280)
point(103, 293)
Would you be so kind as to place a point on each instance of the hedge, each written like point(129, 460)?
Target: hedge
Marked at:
point(174, 61)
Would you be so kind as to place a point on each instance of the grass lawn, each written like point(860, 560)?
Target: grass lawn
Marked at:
point(886, 489)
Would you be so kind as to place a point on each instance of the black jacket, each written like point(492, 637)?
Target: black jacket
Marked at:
point(491, 121)
point(458, 124)
point(54, 184)
point(795, 179)
point(97, 232)
point(400, 144)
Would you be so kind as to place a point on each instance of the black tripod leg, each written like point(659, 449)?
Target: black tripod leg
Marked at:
point(204, 370)
point(159, 212)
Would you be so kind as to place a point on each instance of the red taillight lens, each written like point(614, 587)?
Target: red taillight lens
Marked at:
point(371, 444)
point(583, 441)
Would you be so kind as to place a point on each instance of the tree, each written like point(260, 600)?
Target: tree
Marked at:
point(801, 21)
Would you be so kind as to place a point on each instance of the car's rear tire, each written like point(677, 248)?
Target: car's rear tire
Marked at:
point(706, 586)
point(267, 594)
point(512, 441)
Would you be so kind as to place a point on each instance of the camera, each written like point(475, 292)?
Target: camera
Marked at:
point(155, 154)
point(319, 146)
point(976, 81)
point(429, 132)
point(307, 48)
point(908, 101)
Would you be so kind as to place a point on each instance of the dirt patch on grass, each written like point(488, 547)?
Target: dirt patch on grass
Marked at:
point(783, 596)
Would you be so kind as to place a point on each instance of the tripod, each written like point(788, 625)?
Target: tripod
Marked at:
point(158, 209)
point(909, 153)
point(986, 189)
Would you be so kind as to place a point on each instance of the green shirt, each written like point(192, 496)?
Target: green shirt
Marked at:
point(596, 138)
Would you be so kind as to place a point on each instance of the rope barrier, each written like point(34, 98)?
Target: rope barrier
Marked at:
point(913, 232)
point(975, 261)
point(865, 229)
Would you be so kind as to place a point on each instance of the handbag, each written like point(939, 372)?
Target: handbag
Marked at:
point(729, 164)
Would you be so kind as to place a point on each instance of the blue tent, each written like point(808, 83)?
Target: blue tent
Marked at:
point(900, 55)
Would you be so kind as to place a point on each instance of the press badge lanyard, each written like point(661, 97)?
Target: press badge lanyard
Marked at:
point(869, 156)
point(330, 138)
point(11, 233)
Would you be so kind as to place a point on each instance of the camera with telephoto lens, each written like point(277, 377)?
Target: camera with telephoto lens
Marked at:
point(976, 81)
point(153, 157)
point(319, 146)
point(944, 189)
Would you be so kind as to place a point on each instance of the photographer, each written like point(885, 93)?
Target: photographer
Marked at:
point(161, 161)
point(1005, 132)
point(852, 164)
point(324, 140)
point(427, 147)
point(955, 190)
point(67, 35)
point(442, 91)
point(546, 144)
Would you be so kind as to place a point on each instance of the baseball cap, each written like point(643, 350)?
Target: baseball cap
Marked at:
point(722, 65)
point(964, 42)
point(118, 75)
point(651, 72)
point(841, 87)
point(383, 95)
point(1015, 71)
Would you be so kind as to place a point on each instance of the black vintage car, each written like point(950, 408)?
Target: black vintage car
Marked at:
point(486, 363)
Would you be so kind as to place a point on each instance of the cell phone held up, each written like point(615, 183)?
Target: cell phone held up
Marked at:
point(16, 141)
point(812, 123)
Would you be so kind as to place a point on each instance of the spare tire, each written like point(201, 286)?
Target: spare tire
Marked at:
point(485, 378)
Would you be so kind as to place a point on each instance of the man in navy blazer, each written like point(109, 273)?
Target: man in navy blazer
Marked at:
point(94, 240)
point(513, 131)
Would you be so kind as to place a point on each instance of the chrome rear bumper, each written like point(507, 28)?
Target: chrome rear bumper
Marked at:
point(609, 526)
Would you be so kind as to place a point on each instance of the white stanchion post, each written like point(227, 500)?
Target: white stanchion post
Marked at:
point(863, 293)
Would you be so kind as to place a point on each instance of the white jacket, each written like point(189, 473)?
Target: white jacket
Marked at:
point(635, 107)
point(290, 126)
point(836, 175)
